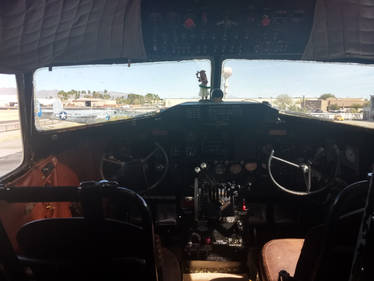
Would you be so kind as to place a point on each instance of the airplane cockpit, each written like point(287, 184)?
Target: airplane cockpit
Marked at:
point(191, 140)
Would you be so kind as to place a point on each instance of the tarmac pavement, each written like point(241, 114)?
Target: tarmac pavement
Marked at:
point(11, 151)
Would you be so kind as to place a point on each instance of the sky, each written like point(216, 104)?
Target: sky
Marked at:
point(250, 78)
point(7, 81)
point(310, 79)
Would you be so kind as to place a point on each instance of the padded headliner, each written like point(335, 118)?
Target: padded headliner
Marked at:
point(42, 33)
point(342, 29)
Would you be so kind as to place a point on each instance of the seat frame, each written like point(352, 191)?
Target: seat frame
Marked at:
point(90, 195)
point(325, 237)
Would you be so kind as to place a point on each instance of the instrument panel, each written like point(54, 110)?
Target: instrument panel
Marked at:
point(234, 140)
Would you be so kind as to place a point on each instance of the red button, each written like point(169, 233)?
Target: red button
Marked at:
point(244, 207)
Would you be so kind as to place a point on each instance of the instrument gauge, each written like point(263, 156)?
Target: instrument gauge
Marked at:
point(220, 169)
point(251, 166)
point(350, 154)
point(235, 169)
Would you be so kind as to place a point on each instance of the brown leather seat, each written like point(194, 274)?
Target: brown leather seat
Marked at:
point(170, 267)
point(280, 254)
point(327, 251)
point(167, 262)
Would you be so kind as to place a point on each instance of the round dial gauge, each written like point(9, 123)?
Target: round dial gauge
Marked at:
point(251, 166)
point(235, 169)
point(350, 154)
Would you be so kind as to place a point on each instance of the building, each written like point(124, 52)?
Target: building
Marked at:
point(320, 105)
point(347, 102)
point(316, 105)
point(369, 110)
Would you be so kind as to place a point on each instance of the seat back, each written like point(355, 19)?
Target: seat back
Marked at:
point(75, 247)
point(328, 249)
point(77, 238)
point(362, 265)
point(92, 247)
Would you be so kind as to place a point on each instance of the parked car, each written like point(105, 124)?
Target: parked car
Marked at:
point(338, 117)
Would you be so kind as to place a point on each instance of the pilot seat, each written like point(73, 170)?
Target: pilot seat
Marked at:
point(327, 251)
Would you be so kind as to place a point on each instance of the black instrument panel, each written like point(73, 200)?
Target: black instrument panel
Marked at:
point(234, 140)
point(209, 28)
point(214, 131)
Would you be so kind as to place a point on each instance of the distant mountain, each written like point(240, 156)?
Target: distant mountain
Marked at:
point(8, 91)
point(117, 94)
point(53, 93)
point(41, 94)
point(44, 94)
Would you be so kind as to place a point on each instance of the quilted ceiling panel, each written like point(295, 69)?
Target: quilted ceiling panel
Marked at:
point(342, 29)
point(46, 32)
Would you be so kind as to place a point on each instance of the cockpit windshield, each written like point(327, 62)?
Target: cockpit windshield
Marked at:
point(67, 96)
point(335, 91)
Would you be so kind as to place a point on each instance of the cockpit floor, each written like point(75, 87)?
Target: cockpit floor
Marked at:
point(214, 277)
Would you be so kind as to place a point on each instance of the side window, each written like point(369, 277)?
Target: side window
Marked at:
point(11, 147)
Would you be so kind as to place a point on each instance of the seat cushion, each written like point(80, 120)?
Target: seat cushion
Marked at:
point(280, 254)
point(171, 268)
